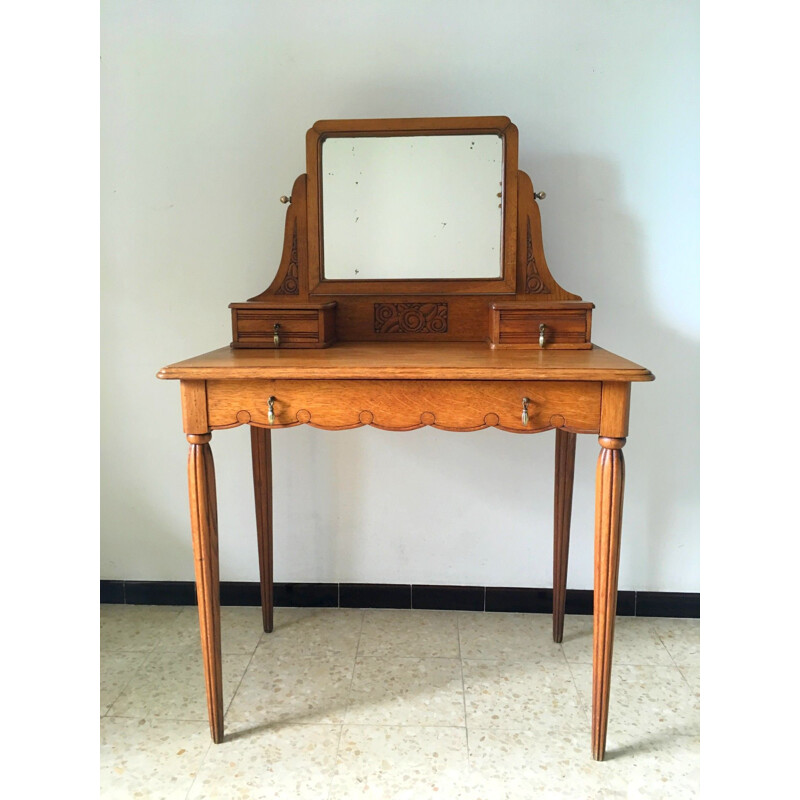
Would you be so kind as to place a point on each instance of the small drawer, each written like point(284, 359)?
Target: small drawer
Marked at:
point(547, 326)
point(402, 405)
point(256, 325)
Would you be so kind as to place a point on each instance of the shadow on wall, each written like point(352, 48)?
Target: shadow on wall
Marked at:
point(596, 248)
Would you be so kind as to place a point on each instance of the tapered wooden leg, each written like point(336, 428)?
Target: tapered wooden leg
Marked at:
point(607, 529)
point(203, 507)
point(562, 516)
point(261, 446)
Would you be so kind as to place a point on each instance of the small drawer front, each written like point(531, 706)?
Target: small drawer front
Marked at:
point(260, 327)
point(405, 405)
point(296, 328)
point(522, 327)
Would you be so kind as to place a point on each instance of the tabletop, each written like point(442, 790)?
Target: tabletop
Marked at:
point(409, 361)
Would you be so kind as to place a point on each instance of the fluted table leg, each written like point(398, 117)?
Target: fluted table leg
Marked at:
point(608, 526)
point(203, 508)
point(261, 446)
point(562, 516)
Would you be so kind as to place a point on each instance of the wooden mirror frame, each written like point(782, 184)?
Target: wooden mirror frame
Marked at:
point(502, 126)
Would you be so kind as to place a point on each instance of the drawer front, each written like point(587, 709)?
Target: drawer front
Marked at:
point(259, 326)
point(521, 327)
point(296, 328)
point(405, 405)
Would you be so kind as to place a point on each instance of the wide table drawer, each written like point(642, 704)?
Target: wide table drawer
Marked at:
point(406, 404)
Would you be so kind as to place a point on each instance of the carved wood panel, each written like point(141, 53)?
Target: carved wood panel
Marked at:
point(291, 283)
point(410, 317)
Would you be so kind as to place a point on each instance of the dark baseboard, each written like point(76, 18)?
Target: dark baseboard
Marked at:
point(394, 595)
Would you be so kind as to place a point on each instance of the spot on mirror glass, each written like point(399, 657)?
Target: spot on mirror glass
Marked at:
point(412, 207)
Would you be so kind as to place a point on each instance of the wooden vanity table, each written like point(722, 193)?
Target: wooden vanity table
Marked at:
point(413, 290)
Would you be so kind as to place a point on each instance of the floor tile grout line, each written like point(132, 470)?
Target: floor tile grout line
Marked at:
point(347, 706)
point(584, 708)
point(138, 669)
point(390, 725)
point(199, 768)
point(149, 718)
point(239, 684)
point(671, 657)
point(126, 684)
point(683, 675)
point(669, 653)
point(463, 693)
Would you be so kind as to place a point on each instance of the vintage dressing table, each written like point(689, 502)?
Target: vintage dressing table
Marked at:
point(413, 290)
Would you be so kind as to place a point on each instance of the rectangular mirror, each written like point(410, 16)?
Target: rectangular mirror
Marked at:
point(412, 207)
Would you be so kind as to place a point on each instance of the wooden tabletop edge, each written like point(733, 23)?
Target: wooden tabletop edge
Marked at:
point(405, 373)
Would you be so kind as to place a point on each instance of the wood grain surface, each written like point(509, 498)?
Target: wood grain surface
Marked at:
point(261, 449)
point(609, 489)
point(401, 405)
point(203, 514)
point(562, 518)
point(403, 360)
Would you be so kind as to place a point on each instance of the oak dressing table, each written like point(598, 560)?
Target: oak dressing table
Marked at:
point(413, 290)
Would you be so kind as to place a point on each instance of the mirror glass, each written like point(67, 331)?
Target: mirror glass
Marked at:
point(412, 207)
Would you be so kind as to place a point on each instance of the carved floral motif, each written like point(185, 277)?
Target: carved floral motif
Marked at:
point(410, 317)
point(533, 282)
point(290, 283)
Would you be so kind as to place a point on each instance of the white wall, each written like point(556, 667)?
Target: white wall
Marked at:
point(205, 104)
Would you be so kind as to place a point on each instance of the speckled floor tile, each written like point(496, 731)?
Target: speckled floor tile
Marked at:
point(539, 764)
point(116, 670)
point(400, 763)
point(292, 691)
point(404, 734)
point(134, 628)
point(645, 702)
point(289, 761)
point(406, 691)
point(656, 767)
point(523, 637)
point(522, 696)
point(681, 637)
point(312, 633)
point(416, 634)
point(155, 759)
point(635, 642)
point(241, 628)
point(171, 685)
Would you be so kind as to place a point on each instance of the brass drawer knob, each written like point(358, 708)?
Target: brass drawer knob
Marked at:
point(542, 329)
point(275, 337)
point(271, 410)
point(525, 402)
point(284, 199)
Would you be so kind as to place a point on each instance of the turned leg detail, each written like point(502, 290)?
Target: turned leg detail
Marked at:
point(608, 525)
point(203, 508)
point(562, 516)
point(261, 446)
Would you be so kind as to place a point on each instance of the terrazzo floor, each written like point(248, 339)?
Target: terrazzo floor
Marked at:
point(345, 703)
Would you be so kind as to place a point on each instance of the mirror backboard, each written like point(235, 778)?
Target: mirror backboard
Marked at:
point(413, 230)
point(412, 206)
